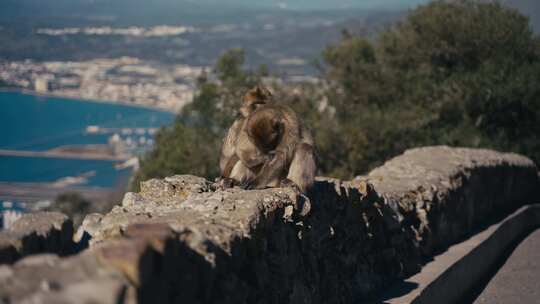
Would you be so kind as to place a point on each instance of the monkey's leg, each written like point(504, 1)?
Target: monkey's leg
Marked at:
point(250, 155)
point(237, 175)
point(241, 173)
point(303, 167)
point(229, 166)
point(270, 174)
point(228, 148)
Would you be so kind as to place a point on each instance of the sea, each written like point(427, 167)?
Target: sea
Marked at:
point(36, 123)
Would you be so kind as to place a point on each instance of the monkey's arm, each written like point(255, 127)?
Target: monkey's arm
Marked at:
point(303, 168)
point(228, 150)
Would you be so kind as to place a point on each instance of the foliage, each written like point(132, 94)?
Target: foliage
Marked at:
point(72, 204)
point(461, 73)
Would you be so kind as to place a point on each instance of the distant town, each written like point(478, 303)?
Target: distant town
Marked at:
point(126, 79)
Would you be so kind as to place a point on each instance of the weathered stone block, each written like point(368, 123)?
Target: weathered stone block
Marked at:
point(37, 233)
point(49, 279)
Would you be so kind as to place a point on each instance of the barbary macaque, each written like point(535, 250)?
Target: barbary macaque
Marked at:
point(250, 101)
point(267, 146)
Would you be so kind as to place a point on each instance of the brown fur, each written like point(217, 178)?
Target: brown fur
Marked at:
point(268, 147)
point(265, 128)
point(253, 99)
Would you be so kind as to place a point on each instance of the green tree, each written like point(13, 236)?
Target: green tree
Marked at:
point(72, 204)
point(461, 73)
point(453, 72)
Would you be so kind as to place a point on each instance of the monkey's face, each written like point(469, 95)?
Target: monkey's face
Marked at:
point(250, 105)
point(254, 99)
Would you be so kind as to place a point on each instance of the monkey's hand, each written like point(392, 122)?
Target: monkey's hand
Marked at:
point(225, 182)
point(287, 183)
point(255, 161)
point(247, 185)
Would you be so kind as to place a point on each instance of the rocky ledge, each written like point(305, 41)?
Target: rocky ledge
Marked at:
point(37, 233)
point(181, 240)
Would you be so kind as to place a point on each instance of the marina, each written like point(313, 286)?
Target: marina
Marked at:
point(51, 145)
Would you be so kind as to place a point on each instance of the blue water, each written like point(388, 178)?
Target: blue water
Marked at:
point(37, 169)
point(29, 122)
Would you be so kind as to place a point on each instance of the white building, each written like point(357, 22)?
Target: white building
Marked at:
point(41, 85)
point(9, 213)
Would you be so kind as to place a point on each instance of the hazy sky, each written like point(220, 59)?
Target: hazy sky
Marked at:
point(325, 4)
point(14, 8)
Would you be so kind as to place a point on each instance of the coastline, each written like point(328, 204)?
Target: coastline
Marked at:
point(32, 192)
point(44, 139)
point(74, 98)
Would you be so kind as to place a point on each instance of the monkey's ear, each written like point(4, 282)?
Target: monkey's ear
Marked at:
point(245, 96)
point(268, 93)
point(259, 92)
point(262, 92)
point(251, 94)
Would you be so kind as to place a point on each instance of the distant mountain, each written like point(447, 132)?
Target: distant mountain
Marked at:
point(123, 11)
point(530, 8)
point(35, 6)
point(166, 10)
point(321, 4)
point(142, 12)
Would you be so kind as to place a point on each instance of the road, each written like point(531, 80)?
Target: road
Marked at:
point(518, 280)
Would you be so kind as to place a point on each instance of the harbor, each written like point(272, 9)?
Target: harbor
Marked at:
point(54, 145)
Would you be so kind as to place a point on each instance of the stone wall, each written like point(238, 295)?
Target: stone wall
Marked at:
point(181, 240)
point(445, 193)
point(37, 233)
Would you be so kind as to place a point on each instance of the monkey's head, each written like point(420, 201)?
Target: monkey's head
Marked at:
point(265, 128)
point(253, 99)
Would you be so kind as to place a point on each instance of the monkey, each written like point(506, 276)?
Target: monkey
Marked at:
point(277, 132)
point(268, 147)
point(228, 159)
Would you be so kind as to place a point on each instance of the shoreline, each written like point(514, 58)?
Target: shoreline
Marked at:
point(74, 98)
point(32, 192)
